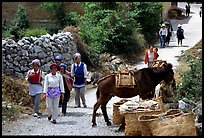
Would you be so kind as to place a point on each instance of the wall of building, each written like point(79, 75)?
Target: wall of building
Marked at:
point(37, 17)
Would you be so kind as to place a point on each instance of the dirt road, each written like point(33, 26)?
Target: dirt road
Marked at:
point(78, 120)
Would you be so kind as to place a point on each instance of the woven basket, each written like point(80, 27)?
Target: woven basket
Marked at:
point(181, 125)
point(117, 117)
point(146, 119)
point(132, 124)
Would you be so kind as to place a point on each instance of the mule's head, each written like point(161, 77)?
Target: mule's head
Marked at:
point(169, 77)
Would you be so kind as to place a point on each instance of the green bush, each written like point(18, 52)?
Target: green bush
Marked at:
point(191, 85)
point(19, 23)
point(57, 11)
point(37, 32)
point(108, 29)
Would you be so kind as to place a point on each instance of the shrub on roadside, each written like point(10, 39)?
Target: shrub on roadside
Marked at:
point(191, 84)
point(37, 32)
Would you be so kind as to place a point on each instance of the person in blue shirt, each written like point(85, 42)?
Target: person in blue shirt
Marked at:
point(79, 73)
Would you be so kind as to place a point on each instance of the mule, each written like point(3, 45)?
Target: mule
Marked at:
point(146, 80)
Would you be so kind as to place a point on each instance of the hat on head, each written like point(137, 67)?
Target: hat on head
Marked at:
point(37, 61)
point(63, 65)
point(179, 25)
point(58, 58)
point(77, 55)
point(163, 25)
point(53, 65)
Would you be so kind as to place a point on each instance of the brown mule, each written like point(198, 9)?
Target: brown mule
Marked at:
point(146, 80)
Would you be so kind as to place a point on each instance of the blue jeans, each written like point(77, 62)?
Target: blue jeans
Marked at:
point(162, 40)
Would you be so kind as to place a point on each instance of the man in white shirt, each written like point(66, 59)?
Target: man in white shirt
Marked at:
point(163, 34)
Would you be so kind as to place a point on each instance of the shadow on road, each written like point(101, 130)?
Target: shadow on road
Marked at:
point(67, 122)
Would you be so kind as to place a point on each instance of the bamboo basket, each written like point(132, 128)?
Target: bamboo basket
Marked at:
point(117, 117)
point(132, 124)
point(170, 125)
point(146, 119)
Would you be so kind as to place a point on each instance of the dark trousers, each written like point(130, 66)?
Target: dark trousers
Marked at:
point(180, 41)
point(64, 104)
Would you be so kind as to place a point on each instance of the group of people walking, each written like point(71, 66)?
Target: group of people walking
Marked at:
point(165, 34)
point(56, 86)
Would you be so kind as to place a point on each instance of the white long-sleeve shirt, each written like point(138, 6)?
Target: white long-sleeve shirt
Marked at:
point(163, 31)
point(85, 69)
point(53, 81)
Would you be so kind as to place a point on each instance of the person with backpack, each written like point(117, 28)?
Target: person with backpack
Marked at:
point(66, 75)
point(180, 34)
point(79, 73)
point(34, 78)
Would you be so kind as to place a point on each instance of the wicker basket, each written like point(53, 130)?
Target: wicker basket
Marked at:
point(117, 117)
point(171, 125)
point(146, 119)
point(132, 124)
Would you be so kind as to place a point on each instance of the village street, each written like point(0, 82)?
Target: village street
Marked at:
point(78, 120)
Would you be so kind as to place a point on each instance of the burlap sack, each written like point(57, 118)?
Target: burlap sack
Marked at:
point(146, 119)
point(181, 125)
point(117, 117)
point(132, 124)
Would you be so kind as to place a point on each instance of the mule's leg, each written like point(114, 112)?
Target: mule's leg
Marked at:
point(104, 111)
point(96, 106)
point(122, 126)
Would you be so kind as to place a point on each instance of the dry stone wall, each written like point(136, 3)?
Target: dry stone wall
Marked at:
point(17, 56)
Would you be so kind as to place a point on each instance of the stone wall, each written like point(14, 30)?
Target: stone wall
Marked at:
point(17, 56)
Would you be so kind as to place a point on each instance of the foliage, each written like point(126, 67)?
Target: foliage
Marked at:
point(191, 85)
point(57, 11)
point(108, 27)
point(37, 32)
point(20, 22)
point(148, 15)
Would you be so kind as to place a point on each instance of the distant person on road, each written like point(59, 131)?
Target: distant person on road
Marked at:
point(150, 56)
point(53, 88)
point(163, 33)
point(34, 78)
point(188, 7)
point(79, 73)
point(180, 34)
point(67, 86)
point(200, 12)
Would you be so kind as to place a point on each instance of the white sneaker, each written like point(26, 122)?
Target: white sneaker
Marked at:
point(35, 115)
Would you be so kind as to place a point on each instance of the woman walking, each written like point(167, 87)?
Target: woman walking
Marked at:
point(34, 78)
point(53, 88)
point(67, 86)
point(79, 73)
point(180, 34)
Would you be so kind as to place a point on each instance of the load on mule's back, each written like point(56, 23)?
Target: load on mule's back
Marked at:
point(146, 80)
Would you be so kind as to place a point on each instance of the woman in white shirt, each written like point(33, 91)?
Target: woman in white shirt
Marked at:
point(53, 88)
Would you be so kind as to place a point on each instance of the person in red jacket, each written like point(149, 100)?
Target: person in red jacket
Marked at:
point(151, 55)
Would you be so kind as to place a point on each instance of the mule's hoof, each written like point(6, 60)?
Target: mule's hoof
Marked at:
point(94, 125)
point(108, 123)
